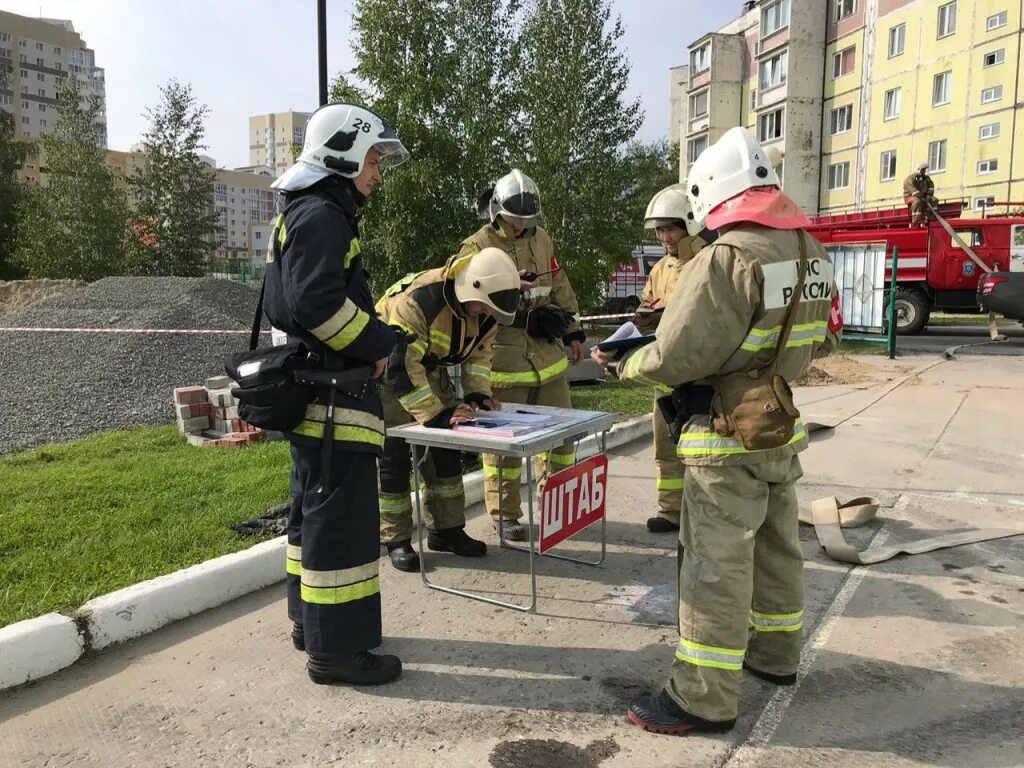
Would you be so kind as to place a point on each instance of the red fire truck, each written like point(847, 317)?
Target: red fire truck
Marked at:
point(934, 273)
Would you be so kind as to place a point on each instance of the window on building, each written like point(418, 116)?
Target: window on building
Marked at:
point(994, 58)
point(937, 156)
point(40, 63)
point(947, 19)
point(5, 37)
point(27, 135)
point(695, 147)
point(259, 236)
point(4, 98)
point(41, 92)
point(58, 51)
point(995, 22)
point(845, 8)
point(840, 119)
point(942, 88)
point(897, 40)
point(987, 166)
point(24, 88)
point(770, 125)
point(989, 95)
point(774, 17)
point(23, 72)
point(5, 53)
point(40, 76)
point(753, 99)
point(843, 61)
point(839, 175)
point(42, 107)
point(888, 165)
point(773, 71)
point(700, 59)
point(23, 44)
point(699, 105)
point(980, 203)
point(893, 104)
point(990, 131)
point(23, 57)
point(25, 120)
point(39, 46)
point(42, 123)
point(24, 105)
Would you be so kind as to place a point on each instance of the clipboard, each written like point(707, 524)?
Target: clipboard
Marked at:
point(624, 344)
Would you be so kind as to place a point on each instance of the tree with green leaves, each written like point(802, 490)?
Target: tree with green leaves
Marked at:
point(650, 168)
point(174, 187)
point(75, 225)
point(13, 154)
point(575, 122)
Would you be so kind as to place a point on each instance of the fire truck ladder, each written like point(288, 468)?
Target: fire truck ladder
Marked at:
point(993, 328)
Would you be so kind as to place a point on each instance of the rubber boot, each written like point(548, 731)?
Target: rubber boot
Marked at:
point(298, 636)
point(769, 677)
point(455, 540)
point(364, 668)
point(661, 714)
point(403, 556)
point(661, 525)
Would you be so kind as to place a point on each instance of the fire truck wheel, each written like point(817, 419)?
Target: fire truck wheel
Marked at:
point(913, 309)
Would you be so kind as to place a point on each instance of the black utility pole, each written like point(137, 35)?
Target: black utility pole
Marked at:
point(321, 33)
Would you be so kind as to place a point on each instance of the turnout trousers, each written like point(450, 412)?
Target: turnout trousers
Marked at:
point(670, 470)
point(741, 585)
point(333, 550)
point(554, 393)
point(444, 495)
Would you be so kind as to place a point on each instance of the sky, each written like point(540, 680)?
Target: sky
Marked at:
point(250, 57)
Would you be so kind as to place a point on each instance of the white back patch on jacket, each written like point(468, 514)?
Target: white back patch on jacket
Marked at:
point(780, 281)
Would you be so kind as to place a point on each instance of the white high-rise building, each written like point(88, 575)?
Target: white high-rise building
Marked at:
point(271, 138)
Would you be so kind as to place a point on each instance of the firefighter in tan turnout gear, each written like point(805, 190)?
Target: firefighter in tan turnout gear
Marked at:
point(666, 215)
point(451, 315)
point(764, 286)
point(529, 362)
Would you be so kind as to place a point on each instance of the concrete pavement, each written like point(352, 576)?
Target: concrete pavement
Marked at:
point(912, 662)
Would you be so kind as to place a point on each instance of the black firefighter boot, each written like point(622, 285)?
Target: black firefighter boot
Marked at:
point(455, 540)
point(659, 524)
point(363, 668)
point(661, 714)
point(298, 636)
point(403, 556)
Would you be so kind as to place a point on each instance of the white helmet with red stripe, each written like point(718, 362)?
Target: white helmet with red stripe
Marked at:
point(733, 181)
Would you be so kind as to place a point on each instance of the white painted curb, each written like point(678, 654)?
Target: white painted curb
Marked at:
point(37, 647)
point(136, 610)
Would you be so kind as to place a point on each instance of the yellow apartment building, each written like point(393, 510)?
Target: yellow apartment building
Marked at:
point(899, 82)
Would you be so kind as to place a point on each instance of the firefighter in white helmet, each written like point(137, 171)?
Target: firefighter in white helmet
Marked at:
point(747, 317)
point(530, 355)
point(450, 316)
point(317, 291)
point(666, 215)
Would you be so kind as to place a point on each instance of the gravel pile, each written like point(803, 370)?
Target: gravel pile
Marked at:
point(56, 387)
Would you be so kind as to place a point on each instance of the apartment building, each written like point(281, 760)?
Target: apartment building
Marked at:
point(743, 75)
point(855, 93)
point(271, 138)
point(244, 203)
point(40, 54)
point(910, 81)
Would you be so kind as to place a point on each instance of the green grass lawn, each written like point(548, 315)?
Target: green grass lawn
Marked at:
point(624, 397)
point(85, 518)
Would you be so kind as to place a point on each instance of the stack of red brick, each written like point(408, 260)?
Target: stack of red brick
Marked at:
point(209, 415)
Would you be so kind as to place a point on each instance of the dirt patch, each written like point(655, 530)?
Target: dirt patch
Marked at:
point(838, 369)
point(16, 294)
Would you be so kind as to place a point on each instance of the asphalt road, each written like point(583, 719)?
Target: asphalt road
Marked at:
point(938, 338)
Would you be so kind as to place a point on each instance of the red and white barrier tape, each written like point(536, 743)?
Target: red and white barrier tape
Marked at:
point(125, 330)
point(618, 316)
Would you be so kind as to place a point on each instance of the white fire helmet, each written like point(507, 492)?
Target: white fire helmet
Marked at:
point(490, 277)
point(516, 196)
point(670, 206)
point(729, 167)
point(338, 137)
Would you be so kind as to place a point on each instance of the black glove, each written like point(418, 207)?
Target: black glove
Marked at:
point(548, 322)
point(477, 400)
point(442, 420)
point(569, 338)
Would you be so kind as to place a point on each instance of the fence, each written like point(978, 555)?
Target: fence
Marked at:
point(239, 270)
point(869, 307)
